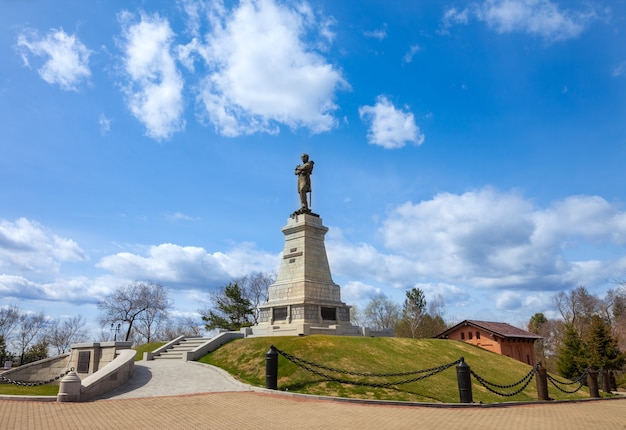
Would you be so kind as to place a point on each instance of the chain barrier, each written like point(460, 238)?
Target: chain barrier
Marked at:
point(558, 384)
point(35, 384)
point(492, 386)
point(313, 368)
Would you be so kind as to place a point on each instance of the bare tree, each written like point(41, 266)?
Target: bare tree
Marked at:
point(131, 302)
point(614, 307)
point(185, 326)
point(356, 316)
point(63, 333)
point(382, 313)
point(30, 330)
point(9, 316)
point(150, 324)
point(255, 287)
point(577, 308)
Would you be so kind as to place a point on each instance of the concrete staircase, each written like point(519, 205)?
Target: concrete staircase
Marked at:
point(189, 348)
point(178, 351)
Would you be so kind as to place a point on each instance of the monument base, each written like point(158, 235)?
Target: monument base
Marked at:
point(306, 329)
point(304, 300)
point(303, 329)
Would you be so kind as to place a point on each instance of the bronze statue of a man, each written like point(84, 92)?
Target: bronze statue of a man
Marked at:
point(304, 172)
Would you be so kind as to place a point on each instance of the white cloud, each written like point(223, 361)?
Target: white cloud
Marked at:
point(408, 57)
point(367, 263)
point(508, 300)
point(155, 89)
point(389, 127)
point(179, 216)
point(542, 18)
point(379, 34)
point(105, 124)
point(194, 11)
point(12, 286)
point(66, 59)
point(265, 70)
point(482, 246)
point(619, 70)
point(358, 292)
point(486, 247)
point(25, 246)
point(488, 239)
point(79, 290)
point(189, 266)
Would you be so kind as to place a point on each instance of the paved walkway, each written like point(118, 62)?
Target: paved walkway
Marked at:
point(159, 398)
point(175, 377)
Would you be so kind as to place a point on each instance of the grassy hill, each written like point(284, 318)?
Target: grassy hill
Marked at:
point(245, 359)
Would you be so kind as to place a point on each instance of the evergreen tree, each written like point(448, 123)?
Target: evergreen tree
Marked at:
point(232, 311)
point(536, 322)
point(602, 349)
point(37, 352)
point(5, 355)
point(571, 361)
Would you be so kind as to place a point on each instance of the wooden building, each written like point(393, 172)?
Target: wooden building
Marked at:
point(498, 337)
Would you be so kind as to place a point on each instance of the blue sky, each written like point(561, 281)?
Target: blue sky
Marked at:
point(473, 149)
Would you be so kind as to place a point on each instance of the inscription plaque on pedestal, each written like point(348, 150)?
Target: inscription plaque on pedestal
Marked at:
point(83, 361)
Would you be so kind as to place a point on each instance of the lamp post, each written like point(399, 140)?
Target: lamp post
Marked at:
point(115, 330)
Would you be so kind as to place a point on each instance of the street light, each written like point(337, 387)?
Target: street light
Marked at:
point(115, 330)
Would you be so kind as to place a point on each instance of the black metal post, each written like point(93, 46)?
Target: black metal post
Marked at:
point(592, 382)
point(465, 382)
point(271, 369)
point(612, 381)
point(606, 384)
point(115, 330)
point(542, 382)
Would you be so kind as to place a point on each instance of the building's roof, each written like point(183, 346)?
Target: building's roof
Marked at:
point(501, 329)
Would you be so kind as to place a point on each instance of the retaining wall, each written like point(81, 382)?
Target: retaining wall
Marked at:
point(109, 377)
point(42, 370)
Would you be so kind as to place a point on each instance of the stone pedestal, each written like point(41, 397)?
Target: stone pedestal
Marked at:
point(304, 299)
point(69, 388)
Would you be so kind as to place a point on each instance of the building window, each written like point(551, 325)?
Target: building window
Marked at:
point(462, 335)
point(470, 335)
point(477, 335)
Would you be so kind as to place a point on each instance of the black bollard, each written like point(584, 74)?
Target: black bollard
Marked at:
point(606, 385)
point(592, 382)
point(271, 369)
point(465, 382)
point(542, 382)
point(612, 381)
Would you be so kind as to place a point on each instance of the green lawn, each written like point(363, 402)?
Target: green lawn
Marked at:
point(146, 347)
point(41, 390)
point(245, 359)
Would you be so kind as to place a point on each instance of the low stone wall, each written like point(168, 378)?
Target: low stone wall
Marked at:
point(309, 329)
point(110, 376)
point(337, 330)
point(87, 358)
point(42, 370)
point(212, 345)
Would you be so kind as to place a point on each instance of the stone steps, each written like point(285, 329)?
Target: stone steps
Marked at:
point(179, 350)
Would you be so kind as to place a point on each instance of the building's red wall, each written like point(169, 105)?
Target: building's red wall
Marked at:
point(518, 348)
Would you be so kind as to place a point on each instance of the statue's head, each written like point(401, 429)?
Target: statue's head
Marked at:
point(305, 158)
